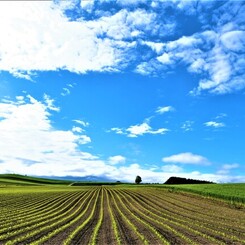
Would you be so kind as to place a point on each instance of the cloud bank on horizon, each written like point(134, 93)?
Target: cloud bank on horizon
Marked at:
point(150, 40)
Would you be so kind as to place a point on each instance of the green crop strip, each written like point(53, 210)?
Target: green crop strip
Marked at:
point(201, 223)
point(70, 222)
point(201, 227)
point(156, 217)
point(32, 207)
point(224, 222)
point(31, 216)
point(79, 228)
point(228, 192)
point(146, 211)
point(114, 224)
point(164, 241)
point(141, 236)
point(35, 222)
point(43, 226)
point(98, 225)
point(192, 207)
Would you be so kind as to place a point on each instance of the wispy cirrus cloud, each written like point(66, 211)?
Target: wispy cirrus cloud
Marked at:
point(164, 109)
point(83, 123)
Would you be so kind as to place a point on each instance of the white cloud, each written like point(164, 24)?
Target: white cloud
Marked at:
point(30, 145)
point(117, 130)
point(234, 40)
point(138, 130)
point(83, 123)
point(165, 58)
point(156, 47)
point(116, 159)
point(164, 109)
point(77, 129)
point(186, 158)
point(83, 139)
point(38, 36)
point(172, 169)
point(144, 128)
point(50, 103)
point(125, 24)
point(129, 2)
point(214, 124)
point(187, 126)
point(221, 115)
point(87, 5)
point(65, 92)
point(226, 168)
point(215, 56)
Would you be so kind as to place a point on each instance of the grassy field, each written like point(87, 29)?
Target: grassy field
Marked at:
point(229, 192)
point(121, 214)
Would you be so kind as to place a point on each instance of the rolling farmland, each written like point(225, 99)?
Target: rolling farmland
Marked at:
point(115, 215)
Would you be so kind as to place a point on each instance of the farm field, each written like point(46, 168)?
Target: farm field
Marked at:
point(115, 215)
point(234, 192)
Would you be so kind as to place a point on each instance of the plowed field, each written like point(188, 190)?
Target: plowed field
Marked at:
point(116, 215)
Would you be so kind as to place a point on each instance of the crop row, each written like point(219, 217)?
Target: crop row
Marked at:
point(117, 215)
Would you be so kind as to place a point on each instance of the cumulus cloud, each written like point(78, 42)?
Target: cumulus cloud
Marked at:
point(31, 145)
point(40, 36)
point(139, 130)
point(116, 159)
point(214, 124)
point(186, 158)
point(144, 128)
point(134, 131)
point(27, 136)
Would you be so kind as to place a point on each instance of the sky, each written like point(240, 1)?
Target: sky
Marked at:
point(121, 88)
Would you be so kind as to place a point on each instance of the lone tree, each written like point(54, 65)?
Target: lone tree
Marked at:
point(138, 179)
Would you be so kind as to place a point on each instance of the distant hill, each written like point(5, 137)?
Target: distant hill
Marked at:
point(180, 181)
point(17, 179)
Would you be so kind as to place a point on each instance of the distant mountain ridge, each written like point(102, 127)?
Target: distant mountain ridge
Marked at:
point(89, 178)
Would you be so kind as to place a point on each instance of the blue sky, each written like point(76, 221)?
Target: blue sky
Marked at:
point(122, 88)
